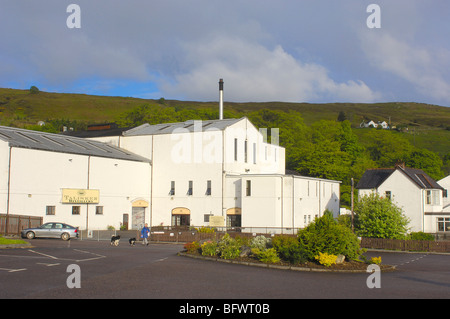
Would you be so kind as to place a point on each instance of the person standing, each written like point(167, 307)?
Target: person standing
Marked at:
point(145, 233)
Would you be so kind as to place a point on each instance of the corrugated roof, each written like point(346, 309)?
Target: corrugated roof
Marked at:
point(373, 178)
point(65, 144)
point(180, 127)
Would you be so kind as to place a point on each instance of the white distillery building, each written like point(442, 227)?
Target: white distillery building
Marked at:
point(222, 173)
point(194, 173)
point(197, 173)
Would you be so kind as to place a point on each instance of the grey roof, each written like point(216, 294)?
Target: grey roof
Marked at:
point(180, 127)
point(65, 144)
point(373, 178)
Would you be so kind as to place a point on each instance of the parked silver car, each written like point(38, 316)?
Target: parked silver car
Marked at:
point(51, 230)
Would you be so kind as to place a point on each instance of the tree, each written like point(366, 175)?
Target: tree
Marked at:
point(34, 90)
point(378, 217)
point(326, 235)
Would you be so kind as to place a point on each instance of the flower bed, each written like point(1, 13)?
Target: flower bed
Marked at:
point(260, 252)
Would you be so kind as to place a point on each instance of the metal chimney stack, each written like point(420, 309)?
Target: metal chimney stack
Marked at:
point(221, 99)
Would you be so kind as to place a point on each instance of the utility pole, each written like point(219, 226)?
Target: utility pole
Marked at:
point(353, 184)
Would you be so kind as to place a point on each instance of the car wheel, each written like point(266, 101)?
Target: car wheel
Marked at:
point(30, 235)
point(65, 236)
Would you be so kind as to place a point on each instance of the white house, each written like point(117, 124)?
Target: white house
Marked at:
point(445, 184)
point(420, 197)
point(371, 123)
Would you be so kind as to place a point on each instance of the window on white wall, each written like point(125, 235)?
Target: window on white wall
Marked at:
point(172, 188)
point(191, 188)
point(248, 188)
point(208, 188)
point(98, 210)
point(235, 149)
point(254, 153)
point(76, 210)
point(50, 210)
point(443, 224)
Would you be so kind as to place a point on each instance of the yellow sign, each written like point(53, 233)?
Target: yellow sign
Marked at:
point(216, 221)
point(80, 196)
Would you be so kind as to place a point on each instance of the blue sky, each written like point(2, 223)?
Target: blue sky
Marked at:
point(284, 50)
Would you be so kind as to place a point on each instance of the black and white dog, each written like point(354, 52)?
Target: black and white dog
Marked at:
point(115, 240)
point(132, 241)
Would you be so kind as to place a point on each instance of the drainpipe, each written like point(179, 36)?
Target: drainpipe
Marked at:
point(87, 205)
point(9, 191)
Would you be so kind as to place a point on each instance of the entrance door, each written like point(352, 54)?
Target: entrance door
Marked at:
point(137, 218)
point(125, 221)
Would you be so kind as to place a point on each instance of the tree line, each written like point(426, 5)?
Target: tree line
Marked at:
point(324, 149)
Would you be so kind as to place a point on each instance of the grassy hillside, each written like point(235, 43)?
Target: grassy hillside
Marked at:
point(428, 125)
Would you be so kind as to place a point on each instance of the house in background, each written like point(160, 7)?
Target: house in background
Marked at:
point(420, 197)
point(371, 123)
point(445, 183)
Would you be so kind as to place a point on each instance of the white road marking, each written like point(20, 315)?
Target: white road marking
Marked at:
point(52, 257)
point(13, 270)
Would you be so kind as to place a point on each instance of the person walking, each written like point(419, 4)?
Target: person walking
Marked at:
point(145, 232)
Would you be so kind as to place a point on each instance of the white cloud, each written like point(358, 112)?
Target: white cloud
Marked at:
point(253, 72)
point(424, 68)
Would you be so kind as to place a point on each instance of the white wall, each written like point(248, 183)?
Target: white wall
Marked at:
point(38, 177)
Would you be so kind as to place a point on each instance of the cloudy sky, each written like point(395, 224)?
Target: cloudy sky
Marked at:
point(283, 50)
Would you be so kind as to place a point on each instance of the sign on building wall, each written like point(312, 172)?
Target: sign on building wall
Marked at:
point(216, 221)
point(80, 196)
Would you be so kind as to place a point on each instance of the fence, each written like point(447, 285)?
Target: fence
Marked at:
point(13, 224)
point(406, 245)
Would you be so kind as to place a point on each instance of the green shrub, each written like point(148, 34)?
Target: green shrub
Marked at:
point(325, 235)
point(420, 236)
point(209, 248)
point(289, 249)
point(228, 247)
point(266, 255)
point(260, 242)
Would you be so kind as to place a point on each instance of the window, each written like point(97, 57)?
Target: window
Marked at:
point(388, 195)
point(245, 151)
point(76, 210)
point(432, 197)
point(181, 220)
point(50, 210)
point(172, 188)
point(248, 188)
point(190, 189)
point(206, 218)
point(443, 224)
point(235, 149)
point(208, 188)
point(98, 210)
point(254, 153)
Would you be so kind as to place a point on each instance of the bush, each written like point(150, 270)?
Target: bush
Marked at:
point(420, 236)
point(375, 260)
point(192, 247)
point(289, 249)
point(266, 255)
point(326, 259)
point(228, 247)
point(209, 248)
point(378, 217)
point(260, 242)
point(206, 230)
point(325, 235)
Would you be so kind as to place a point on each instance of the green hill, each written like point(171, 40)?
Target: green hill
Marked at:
point(428, 126)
